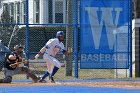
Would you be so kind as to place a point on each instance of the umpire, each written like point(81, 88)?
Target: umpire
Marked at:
point(12, 66)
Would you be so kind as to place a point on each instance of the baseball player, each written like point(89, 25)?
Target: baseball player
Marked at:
point(51, 48)
point(12, 66)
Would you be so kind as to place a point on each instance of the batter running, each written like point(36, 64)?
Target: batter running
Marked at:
point(52, 47)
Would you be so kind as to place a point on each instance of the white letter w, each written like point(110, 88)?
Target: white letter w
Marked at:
point(106, 19)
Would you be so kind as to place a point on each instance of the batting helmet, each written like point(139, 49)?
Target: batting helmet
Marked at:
point(59, 33)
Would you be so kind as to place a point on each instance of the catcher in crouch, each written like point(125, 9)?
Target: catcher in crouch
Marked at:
point(12, 66)
point(52, 47)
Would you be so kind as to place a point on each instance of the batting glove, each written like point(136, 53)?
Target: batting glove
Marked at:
point(36, 57)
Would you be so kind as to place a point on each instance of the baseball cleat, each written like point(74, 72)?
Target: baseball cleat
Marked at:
point(52, 80)
point(37, 79)
point(42, 81)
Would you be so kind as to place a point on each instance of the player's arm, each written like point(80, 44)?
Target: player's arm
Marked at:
point(12, 57)
point(40, 52)
point(18, 60)
point(47, 46)
point(68, 52)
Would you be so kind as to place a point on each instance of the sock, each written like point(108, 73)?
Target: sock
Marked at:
point(55, 69)
point(45, 75)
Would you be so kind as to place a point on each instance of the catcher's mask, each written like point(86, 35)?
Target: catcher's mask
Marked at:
point(18, 48)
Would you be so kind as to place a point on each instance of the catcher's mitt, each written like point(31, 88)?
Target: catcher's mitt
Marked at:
point(14, 65)
point(17, 63)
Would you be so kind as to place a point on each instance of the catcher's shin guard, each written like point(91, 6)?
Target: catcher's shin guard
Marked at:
point(30, 74)
point(33, 76)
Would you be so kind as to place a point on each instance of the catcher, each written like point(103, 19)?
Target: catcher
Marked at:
point(12, 66)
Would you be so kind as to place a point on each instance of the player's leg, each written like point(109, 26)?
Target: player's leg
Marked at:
point(50, 66)
point(8, 76)
point(42, 79)
point(7, 79)
point(47, 73)
point(26, 70)
point(56, 67)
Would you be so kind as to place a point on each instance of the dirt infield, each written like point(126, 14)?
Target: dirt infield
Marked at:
point(123, 84)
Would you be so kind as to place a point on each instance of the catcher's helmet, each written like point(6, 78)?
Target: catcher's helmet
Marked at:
point(17, 47)
point(59, 33)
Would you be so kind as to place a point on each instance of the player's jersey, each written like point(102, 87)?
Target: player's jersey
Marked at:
point(54, 46)
point(9, 62)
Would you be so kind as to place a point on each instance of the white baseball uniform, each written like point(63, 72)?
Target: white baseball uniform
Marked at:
point(53, 46)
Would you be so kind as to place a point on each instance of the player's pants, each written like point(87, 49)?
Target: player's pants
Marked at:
point(18, 70)
point(51, 62)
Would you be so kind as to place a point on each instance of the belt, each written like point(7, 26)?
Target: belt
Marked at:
point(49, 55)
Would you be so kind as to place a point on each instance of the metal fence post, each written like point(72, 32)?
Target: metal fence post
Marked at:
point(27, 34)
point(75, 40)
point(69, 36)
point(130, 33)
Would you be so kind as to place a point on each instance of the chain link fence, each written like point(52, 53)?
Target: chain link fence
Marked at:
point(42, 26)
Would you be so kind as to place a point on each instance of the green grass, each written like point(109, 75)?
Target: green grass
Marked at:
point(39, 69)
point(83, 74)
